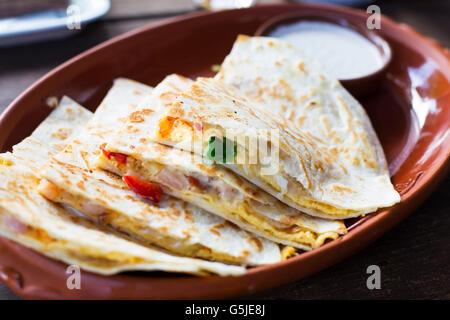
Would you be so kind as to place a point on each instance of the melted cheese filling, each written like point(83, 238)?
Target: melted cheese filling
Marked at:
point(48, 244)
point(137, 229)
point(183, 131)
point(291, 192)
point(240, 209)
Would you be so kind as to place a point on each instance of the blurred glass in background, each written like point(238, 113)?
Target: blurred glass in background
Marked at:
point(26, 21)
point(236, 4)
point(9, 8)
point(224, 4)
point(355, 3)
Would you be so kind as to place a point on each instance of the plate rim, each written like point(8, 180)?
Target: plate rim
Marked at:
point(427, 182)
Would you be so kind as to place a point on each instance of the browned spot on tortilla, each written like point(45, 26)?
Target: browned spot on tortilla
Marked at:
point(301, 66)
point(282, 90)
point(215, 231)
point(312, 104)
point(300, 120)
point(220, 225)
point(255, 242)
point(147, 111)
point(168, 96)
point(161, 149)
point(349, 117)
point(186, 233)
point(290, 114)
point(176, 109)
point(136, 117)
point(318, 165)
point(369, 163)
point(197, 93)
point(242, 38)
point(84, 156)
point(188, 215)
point(371, 157)
point(80, 185)
point(209, 170)
point(302, 98)
point(245, 253)
point(341, 189)
point(132, 129)
point(62, 133)
point(42, 235)
point(326, 125)
point(288, 220)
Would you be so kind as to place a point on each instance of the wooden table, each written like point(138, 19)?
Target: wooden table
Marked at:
point(414, 257)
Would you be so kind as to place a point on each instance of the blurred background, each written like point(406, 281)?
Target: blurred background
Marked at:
point(38, 35)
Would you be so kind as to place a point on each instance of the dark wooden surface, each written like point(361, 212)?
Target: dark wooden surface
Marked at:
point(414, 257)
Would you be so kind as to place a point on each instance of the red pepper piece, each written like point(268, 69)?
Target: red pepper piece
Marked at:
point(118, 157)
point(143, 188)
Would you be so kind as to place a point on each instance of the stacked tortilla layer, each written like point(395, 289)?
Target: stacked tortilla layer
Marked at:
point(165, 178)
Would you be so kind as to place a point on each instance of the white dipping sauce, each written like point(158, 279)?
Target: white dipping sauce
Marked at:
point(342, 51)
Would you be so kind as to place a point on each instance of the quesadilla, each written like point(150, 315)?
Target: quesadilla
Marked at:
point(285, 81)
point(51, 136)
point(71, 178)
point(209, 186)
point(31, 220)
point(298, 168)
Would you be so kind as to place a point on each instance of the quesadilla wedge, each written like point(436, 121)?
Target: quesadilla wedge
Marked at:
point(209, 186)
point(71, 178)
point(298, 168)
point(285, 81)
point(31, 220)
point(51, 136)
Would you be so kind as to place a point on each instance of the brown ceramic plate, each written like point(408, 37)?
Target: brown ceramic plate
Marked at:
point(410, 113)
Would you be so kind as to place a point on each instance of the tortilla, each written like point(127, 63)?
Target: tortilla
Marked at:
point(72, 178)
point(284, 81)
point(311, 174)
point(209, 186)
point(51, 136)
point(31, 220)
point(299, 168)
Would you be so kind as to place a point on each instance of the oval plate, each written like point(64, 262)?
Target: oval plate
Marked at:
point(410, 113)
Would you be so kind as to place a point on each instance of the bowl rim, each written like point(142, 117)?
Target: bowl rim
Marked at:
point(383, 47)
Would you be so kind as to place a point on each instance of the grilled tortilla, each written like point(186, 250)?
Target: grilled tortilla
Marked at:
point(285, 81)
point(31, 220)
point(212, 187)
point(51, 136)
point(299, 168)
point(71, 178)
